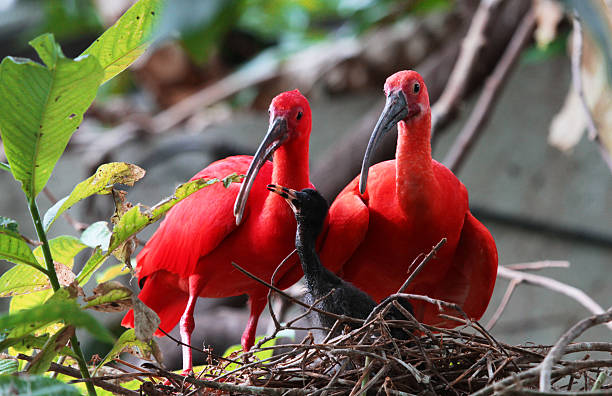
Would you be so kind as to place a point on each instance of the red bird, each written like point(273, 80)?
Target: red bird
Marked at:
point(190, 254)
point(409, 205)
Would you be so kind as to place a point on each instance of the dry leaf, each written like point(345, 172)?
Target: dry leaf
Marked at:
point(568, 126)
point(146, 320)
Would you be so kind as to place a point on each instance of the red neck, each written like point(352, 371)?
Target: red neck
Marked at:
point(291, 165)
point(414, 179)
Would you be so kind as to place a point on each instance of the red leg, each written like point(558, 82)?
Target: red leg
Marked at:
point(187, 323)
point(257, 303)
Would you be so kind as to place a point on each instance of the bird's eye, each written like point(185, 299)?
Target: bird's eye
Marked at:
point(416, 88)
point(299, 116)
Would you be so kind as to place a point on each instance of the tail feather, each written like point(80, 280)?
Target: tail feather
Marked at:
point(161, 293)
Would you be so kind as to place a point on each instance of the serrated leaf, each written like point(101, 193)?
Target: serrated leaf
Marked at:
point(13, 248)
point(128, 342)
point(27, 321)
point(8, 366)
point(106, 175)
point(135, 219)
point(40, 108)
point(128, 38)
point(97, 234)
point(110, 296)
point(113, 272)
point(34, 385)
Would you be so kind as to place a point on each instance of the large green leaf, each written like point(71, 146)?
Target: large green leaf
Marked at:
point(128, 38)
point(63, 249)
point(100, 183)
point(34, 385)
point(137, 218)
point(23, 279)
point(14, 248)
point(40, 108)
point(68, 311)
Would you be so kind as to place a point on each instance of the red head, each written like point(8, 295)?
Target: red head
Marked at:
point(407, 101)
point(290, 120)
point(414, 91)
point(293, 107)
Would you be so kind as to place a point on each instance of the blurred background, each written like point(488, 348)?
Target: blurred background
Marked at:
point(201, 94)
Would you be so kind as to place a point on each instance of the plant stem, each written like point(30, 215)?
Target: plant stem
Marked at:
point(42, 237)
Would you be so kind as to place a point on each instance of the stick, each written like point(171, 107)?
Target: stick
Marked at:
point(487, 99)
point(554, 285)
point(557, 351)
point(421, 265)
point(471, 45)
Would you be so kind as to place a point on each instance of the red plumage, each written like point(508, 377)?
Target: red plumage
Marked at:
point(410, 204)
point(190, 254)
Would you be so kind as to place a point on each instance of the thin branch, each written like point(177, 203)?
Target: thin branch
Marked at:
point(471, 45)
point(537, 265)
point(576, 60)
point(502, 305)
point(555, 354)
point(422, 264)
point(74, 373)
point(295, 300)
point(488, 97)
point(554, 285)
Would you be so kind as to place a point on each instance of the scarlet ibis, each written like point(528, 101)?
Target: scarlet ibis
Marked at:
point(190, 254)
point(409, 205)
point(337, 296)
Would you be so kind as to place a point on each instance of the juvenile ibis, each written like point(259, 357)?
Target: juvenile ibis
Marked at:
point(190, 254)
point(335, 294)
point(409, 205)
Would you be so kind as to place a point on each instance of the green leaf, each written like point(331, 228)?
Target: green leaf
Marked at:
point(14, 248)
point(9, 224)
point(128, 38)
point(22, 279)
point(63, 249)
point(96, 235)
point(128, 342)
point(135, 219)
point(113, 272)
point(25, 279)
point(34, 385)
point(110, 296)
point(28, 342)
point(48, 50)
point(5, 167)
point(41, 107)
point(8, 366)
point(100, 183)
point(28, 320)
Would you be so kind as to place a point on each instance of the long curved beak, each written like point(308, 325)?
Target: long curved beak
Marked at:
point(395, 110)
point(289, 194)
point(275, 137)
